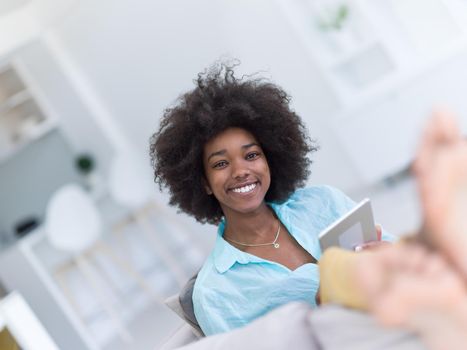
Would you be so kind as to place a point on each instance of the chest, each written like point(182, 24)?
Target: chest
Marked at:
point(289, 254)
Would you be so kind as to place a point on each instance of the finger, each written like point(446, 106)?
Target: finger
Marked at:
point(370, 245)
point(379, 232)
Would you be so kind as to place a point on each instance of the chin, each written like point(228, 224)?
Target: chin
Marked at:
point(250, 208)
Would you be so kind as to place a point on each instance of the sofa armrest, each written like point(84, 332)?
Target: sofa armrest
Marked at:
point(182, 336)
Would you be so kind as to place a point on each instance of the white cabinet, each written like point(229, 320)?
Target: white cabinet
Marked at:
point(22, 119)
point(366, 48)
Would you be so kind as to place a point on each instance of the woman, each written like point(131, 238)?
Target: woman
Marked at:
point(232, 153)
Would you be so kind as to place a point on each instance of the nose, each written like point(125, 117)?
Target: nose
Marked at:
point(240, 169)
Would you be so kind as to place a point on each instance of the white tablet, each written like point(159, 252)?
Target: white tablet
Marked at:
point(352, 229)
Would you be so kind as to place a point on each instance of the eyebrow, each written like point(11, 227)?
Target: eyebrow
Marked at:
point(223, 151)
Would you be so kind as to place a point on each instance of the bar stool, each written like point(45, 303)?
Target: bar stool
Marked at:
point(73, 225)
point(129, 187)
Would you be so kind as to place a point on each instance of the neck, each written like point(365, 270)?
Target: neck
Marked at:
point(252, 228)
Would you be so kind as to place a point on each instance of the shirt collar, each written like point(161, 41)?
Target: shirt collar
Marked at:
point(225, 255)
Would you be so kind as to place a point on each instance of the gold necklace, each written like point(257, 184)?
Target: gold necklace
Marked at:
point(273, 243)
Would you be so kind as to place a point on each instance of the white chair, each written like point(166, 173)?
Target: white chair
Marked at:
point(131, 186)
point(73, 225)
point(72, 219)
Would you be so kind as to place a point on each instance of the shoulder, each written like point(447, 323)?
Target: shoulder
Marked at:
point(214, 299)
point(208, 272)
point(314, 206)
point(202, 295)
point(210, 285)
point(313, 192)
point(319, 196)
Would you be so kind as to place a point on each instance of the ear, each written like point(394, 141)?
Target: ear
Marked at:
point(207, 187)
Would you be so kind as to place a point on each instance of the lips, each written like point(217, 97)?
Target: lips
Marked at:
point(246, 188)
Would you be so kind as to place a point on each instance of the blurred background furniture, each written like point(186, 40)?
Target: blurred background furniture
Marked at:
point(73, 225)
point(131, 189)
point(22, 120)
point(20, 327)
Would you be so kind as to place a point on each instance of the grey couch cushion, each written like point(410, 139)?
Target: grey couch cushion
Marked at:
point(182, 305)
point(186, 301)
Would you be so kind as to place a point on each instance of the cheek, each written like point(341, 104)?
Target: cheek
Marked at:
point(213, 181)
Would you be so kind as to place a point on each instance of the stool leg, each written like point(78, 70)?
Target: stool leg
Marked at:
point(118, 230)
point(60, 275)
point(162, 251)
point(88, 273)
point(125, 266)
point(173, 220)
point(91, 255)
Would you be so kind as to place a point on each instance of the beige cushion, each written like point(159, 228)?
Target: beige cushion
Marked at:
point(181, 337)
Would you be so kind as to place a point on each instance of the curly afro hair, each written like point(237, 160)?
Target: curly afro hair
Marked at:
point(220, 101)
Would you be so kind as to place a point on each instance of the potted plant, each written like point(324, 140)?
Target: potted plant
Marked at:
point(333, 22)
point(86, 166)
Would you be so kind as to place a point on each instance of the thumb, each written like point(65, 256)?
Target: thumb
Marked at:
point(379, 232)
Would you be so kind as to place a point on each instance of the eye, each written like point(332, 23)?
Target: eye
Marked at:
point(220, 164)
point(252, 155)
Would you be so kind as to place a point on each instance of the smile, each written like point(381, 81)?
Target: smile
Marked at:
point(244, 189)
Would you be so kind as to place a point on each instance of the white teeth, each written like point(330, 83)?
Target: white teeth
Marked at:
point(244, 189)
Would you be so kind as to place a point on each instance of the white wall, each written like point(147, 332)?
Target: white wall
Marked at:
point(140, 55)
point(75, 118)
point(29, 178)
point(260, 35)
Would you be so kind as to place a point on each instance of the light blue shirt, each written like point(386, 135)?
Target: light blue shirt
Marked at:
point(233, 287)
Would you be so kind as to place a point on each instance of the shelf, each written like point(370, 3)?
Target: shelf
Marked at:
point(351, 54)
point(392, 82)
point(14, 100)
point(10, 83)
point(22, 120)
point(378, 44)
point(39, 131)
point(366, 69)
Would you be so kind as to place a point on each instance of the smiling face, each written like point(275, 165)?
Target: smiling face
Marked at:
point(237, 172)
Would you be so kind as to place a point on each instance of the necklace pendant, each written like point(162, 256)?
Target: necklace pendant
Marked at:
point(276, 245)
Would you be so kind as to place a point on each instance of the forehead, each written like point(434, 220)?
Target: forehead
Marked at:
point(231, 137)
